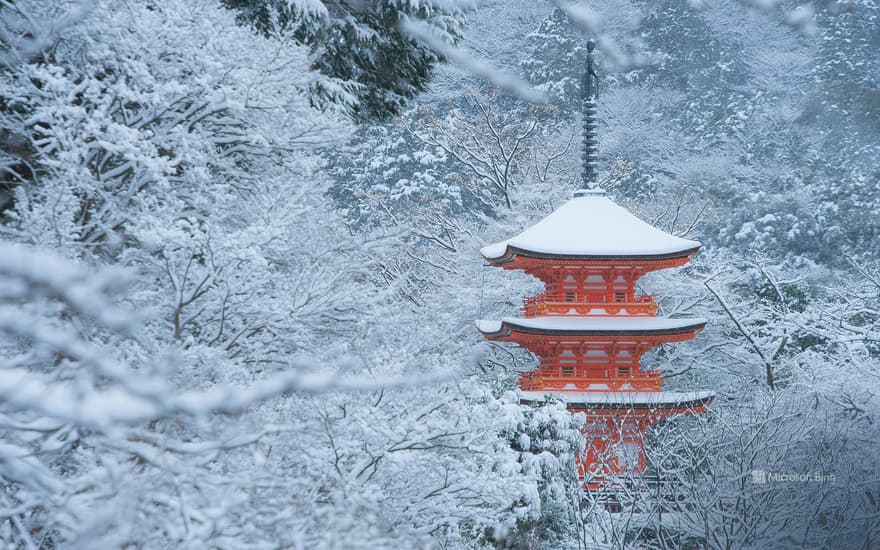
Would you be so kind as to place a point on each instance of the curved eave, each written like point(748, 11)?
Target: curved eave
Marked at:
point(512, 252)
point(507, 328)
point(625, 400)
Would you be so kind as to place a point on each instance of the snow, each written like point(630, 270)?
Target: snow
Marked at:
point(591, 224)
point(487, 326)
point(572, 323)
point(620, 398)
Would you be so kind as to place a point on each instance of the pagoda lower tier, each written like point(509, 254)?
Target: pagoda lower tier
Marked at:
point(616, 425)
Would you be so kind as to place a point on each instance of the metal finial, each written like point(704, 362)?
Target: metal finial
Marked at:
point(589, 94)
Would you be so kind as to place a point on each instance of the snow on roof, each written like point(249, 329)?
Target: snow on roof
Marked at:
point(591, 225)
point(580, 324)
point(621, 398)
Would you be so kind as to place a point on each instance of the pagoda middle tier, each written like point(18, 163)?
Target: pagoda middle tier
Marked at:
point(590, 328)
point(585, 353)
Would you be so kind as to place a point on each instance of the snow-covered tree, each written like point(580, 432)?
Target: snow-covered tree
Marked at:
point(361, 43)
point(186, 150)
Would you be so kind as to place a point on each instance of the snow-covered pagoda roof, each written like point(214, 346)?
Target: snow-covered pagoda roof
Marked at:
point(591, 226)
point(623, 398)
point(581, 325)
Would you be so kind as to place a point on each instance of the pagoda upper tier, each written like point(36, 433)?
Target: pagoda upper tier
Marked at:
point(589, 254)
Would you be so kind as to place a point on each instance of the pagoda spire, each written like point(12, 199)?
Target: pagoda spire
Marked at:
point(589, 94)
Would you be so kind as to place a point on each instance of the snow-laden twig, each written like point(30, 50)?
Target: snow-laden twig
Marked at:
point(24, 35)
point(511, 84)
point(102, 409)
point(768, 365)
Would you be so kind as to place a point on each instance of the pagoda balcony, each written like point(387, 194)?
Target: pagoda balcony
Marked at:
point(535, 306)
point(537, 381)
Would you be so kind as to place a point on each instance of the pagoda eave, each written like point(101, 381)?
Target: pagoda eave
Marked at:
point(509, 327)
point(652, 401)
point(513, 253)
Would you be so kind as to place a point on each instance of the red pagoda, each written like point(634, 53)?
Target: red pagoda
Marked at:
point(590, 328)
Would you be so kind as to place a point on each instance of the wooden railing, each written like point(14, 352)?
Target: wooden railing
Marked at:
point(534, 381)
point(534, 306)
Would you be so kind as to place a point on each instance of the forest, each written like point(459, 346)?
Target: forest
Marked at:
point(240, 269)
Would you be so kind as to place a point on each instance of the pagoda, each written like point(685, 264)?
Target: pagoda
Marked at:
point(590, 327)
